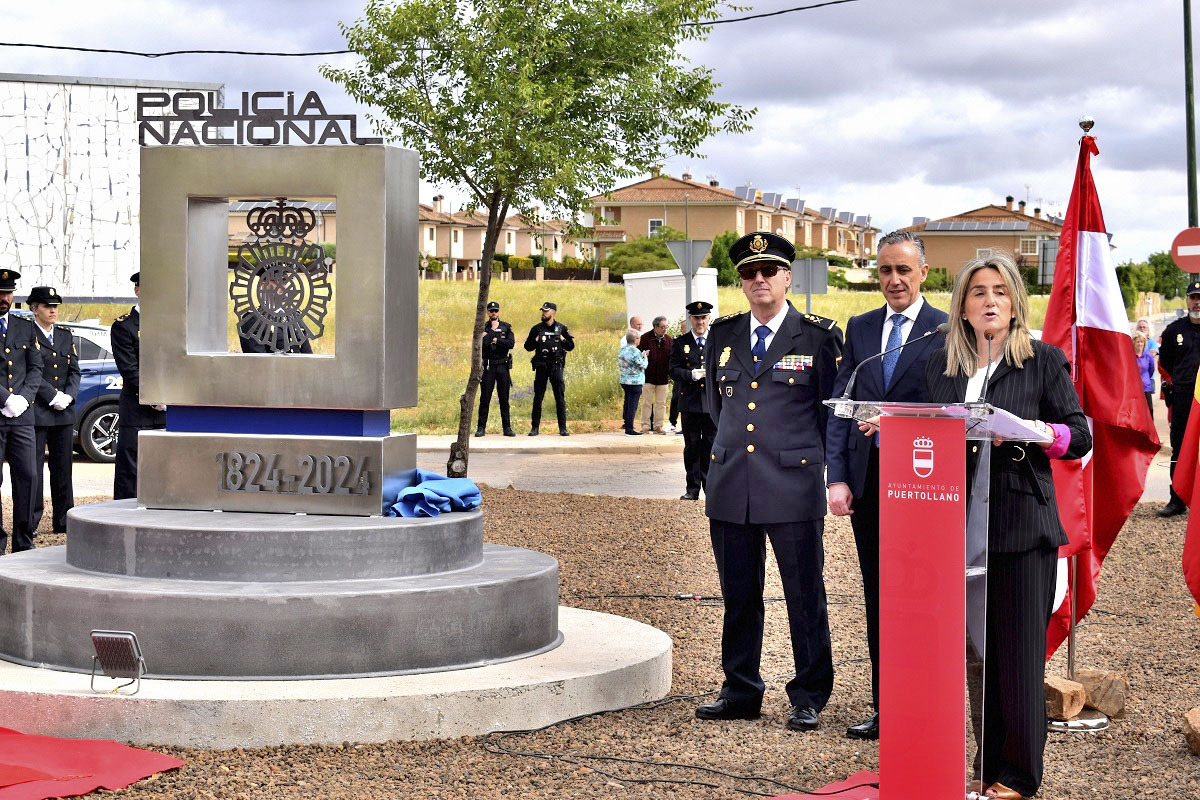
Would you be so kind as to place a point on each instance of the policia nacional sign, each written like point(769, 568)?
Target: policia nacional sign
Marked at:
point(261, 118)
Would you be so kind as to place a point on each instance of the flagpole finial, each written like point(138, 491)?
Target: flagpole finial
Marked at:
point(1086, 123)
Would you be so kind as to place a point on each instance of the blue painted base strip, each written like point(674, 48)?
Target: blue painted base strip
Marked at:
point(279, 421)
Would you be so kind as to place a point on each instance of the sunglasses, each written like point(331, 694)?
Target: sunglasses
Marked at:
point(747, 273)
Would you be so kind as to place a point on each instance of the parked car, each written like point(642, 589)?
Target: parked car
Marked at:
point(96, 418)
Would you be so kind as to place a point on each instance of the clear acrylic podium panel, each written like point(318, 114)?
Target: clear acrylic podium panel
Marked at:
point(983, 423)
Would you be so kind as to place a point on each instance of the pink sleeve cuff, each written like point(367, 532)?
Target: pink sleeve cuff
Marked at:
point(1062, 440)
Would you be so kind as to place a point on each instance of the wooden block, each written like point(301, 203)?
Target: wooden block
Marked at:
point(1064, 698)
point(1191, 729)
point(1106, 691)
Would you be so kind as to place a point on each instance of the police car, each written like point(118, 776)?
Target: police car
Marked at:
point(99, 390)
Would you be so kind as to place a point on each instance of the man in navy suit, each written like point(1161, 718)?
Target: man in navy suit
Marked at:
point(853, 459)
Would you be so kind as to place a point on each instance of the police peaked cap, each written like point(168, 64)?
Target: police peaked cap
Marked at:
point(8, 280)
point(136, 278)
point(44, 295)
point(1194, 287)
point(698, 308)
point(762, 246)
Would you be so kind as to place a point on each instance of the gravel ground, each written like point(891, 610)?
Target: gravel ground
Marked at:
point(1142, 627)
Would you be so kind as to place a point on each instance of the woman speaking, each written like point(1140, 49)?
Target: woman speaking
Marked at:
point(990, 353)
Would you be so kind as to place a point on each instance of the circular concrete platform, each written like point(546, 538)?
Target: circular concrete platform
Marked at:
point(604, 662)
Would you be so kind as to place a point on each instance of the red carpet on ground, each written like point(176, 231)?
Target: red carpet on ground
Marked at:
point(38, 767)
point(853, 788)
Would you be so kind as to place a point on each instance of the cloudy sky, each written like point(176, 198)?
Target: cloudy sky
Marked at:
point(893, 108)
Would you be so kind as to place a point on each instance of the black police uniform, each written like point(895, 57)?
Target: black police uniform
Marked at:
point(497, 361)
point(766, 480)
point(22, 377)
point(549, 345)
point(687, 353)
point(250, 345)
point(134, 416)
point(1179, 356)
point(54, 429)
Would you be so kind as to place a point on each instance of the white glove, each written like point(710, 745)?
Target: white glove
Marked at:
point(159, 407)
point(15, 405)
point(4, 410)
point(697, 374)
point(60, 401)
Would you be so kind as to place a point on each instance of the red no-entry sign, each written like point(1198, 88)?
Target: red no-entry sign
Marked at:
point(1185, 250)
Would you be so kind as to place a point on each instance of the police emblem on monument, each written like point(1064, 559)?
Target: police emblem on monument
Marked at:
point(280, 287)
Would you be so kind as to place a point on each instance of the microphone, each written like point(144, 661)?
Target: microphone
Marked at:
point(854, 375)
point(987, 376)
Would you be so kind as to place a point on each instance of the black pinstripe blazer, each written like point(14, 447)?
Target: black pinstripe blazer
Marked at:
point(1023, 512)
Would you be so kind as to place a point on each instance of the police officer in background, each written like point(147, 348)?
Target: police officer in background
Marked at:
point(134, 416)
point(268, 288)
point(498, 342)
point(53, 409)
point(1179, 357)
point(767, 372)
point(18, 387)
point(687, 371)
point(549, 341)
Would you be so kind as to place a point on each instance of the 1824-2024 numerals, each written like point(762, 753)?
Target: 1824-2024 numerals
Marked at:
point(324, 474)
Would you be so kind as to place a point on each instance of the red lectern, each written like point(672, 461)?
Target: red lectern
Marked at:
point(932, 534)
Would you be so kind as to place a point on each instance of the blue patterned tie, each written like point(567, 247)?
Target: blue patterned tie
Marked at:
point(895, 338)
point(700, 343)
point(4, 326)
point(759, 351)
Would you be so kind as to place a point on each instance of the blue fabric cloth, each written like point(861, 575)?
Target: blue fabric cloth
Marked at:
point(895, 338)
point(420, 493)
point(759, 351)
point(632, 364)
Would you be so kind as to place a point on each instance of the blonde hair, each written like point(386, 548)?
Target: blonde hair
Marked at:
point(961, 356)
point(1140, 338)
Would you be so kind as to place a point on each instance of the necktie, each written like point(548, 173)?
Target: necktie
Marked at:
point(895, 338)
point(759, 351)
point(700, 343)
point(4, 325)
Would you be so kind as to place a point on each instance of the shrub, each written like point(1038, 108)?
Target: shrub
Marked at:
point(502, 259)
point(538, 260)
point(641, 255)
point(718, 259)
point(434, 265)
point(330, 250)
point(837, 279)
point(520, 262)
point(938, 280)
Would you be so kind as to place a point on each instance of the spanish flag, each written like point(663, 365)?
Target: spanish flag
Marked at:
point(1188, 488)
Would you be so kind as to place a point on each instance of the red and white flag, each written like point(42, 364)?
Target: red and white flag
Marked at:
point(1086, 318)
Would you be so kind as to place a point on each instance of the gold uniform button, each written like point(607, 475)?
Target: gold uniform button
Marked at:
point(974, 448)
point(749, 448)
point(751, 406)
point(712, 458)
point(10, 363)
point(750, 427)
point(753, 384)
point(791, 380)
point(803, 461)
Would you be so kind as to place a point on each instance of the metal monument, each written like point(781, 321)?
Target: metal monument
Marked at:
point(257, 547)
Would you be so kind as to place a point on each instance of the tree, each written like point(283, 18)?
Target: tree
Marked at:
point(1169, 280)
point(718, 259)
point(533, 104)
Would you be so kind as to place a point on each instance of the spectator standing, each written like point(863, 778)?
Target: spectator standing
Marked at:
point(632, 365)
point(1143, 327)
point(656, 344)
point(1145, 362)
point(53, 409)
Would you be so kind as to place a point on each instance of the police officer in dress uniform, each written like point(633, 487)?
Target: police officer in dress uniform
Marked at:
point(767, 371)
point(18, 387)
point(134, 416)
point(687, 370)
point(1179, 357)
point(498, 342)
point(53, 409)
point(549, 341)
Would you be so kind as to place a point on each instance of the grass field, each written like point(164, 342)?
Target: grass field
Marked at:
point(596, 317)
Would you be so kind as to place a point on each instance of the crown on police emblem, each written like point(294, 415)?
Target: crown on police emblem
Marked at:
point(923, 443)
point(758, 244)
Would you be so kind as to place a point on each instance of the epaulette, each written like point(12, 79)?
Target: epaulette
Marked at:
point(121, 318)
point(824, 323)
point(726, 318)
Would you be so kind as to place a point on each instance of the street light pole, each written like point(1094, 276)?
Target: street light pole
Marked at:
point(1191, 112)
point(687, 279)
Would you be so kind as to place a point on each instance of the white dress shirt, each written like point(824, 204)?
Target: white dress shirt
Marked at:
point(910, 313)
point(773, 323)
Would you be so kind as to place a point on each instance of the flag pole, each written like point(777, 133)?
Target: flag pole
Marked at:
point(1088, 720)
